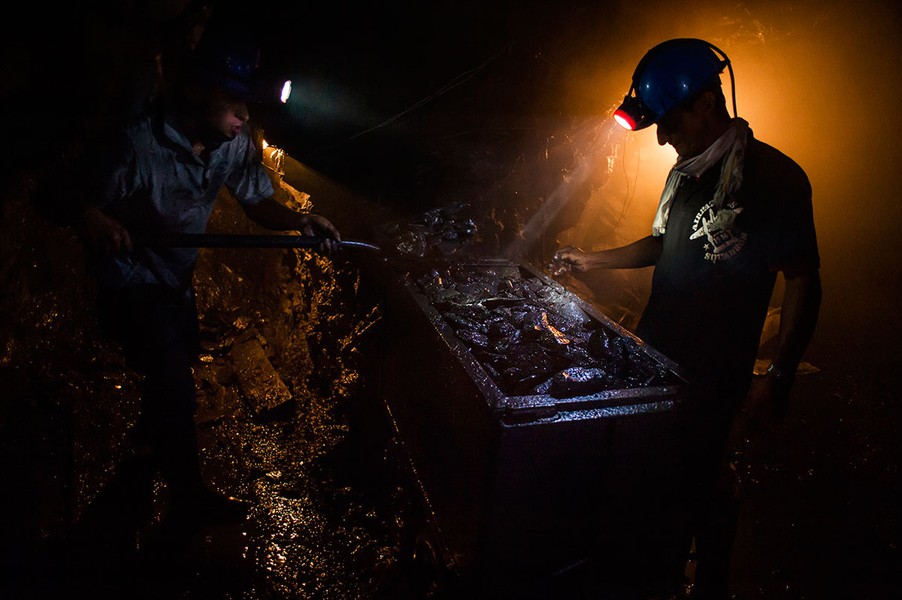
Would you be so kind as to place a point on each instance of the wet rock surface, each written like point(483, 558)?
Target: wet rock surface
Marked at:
point(531, 335)
point(279, 381)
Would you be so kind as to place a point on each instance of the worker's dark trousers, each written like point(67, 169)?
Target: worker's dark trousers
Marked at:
point(714, 500)
point(158, 329)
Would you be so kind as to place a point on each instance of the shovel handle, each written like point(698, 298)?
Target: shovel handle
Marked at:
point(209, 240)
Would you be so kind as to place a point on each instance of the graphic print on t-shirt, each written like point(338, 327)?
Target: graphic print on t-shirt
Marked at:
point(723, 239)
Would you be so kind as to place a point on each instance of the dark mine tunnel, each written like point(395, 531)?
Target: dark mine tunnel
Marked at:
point(441, 410)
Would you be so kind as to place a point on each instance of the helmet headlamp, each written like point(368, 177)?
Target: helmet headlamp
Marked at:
point(632, 114)
point(285, 92)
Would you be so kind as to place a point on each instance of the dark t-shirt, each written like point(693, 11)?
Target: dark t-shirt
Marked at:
point(711, 288)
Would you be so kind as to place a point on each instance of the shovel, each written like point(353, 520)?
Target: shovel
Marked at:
point(208, 240)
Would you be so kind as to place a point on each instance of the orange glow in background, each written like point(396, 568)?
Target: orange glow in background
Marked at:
point(818, 80)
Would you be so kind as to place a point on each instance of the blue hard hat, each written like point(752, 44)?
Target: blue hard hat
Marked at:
point(668, 75)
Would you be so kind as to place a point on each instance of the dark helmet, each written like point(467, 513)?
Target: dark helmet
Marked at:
point(668, 75)
point(228, 58)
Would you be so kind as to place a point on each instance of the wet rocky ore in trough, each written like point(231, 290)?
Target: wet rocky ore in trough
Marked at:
point(532, 337)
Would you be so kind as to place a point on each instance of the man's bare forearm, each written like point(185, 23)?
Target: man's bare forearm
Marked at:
point(272, 214)
point(799, 314)
point(641, 253)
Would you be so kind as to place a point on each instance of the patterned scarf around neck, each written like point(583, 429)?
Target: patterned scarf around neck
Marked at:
point(731, 144)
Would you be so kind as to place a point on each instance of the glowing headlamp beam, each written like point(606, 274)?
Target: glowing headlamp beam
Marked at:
point(286, 92)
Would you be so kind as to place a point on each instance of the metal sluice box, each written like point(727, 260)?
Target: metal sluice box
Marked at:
point(518, 474)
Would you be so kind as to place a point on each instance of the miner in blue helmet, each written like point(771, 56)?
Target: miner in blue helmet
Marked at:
point(162, 175)
point(734, 214)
